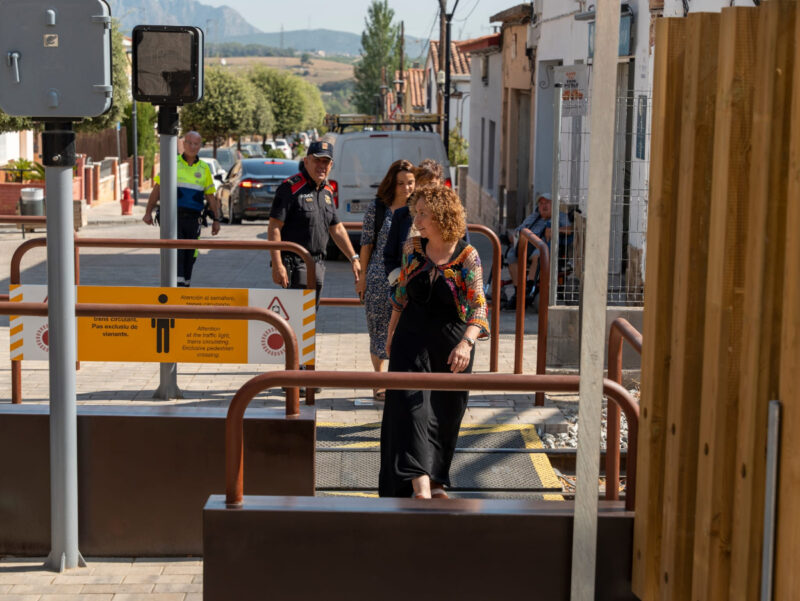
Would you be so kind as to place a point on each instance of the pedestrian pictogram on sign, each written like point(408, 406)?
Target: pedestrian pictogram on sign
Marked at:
point(277, 307)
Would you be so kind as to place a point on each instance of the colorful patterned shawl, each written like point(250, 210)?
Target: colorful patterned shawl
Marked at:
point(463, 275)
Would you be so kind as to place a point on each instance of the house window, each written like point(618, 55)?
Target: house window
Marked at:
point(485, 70)
point(490, 173)
point(514, 46)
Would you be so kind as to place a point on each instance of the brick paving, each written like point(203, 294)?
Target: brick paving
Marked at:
point(342, 344)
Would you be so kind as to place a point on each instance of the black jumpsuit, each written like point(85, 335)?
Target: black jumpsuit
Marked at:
point(420, 427)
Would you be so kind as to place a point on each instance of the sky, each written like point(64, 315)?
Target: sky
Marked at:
point(470, 20)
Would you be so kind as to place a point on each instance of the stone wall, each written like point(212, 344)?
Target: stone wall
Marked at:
point(481, 207)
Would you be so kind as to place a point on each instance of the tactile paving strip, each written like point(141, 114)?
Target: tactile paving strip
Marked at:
point(356, 466)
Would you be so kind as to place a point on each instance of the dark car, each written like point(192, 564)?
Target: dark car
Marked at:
point(250, 188)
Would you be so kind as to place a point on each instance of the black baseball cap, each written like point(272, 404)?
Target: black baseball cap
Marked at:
point(320, 149)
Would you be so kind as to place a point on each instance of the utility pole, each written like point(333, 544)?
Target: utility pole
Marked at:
point(400, 87)
point(442, 35)
point(446, 62)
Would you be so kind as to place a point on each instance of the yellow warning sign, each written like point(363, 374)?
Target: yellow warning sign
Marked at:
point(163, 339)
point(167, 340)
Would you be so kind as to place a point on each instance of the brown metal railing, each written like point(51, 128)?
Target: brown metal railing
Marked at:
point(494, 334)
point(525, 236)
point(621, 329)
point(24, 219)
point(178, 312)
point(16, 260)
point(234, 423)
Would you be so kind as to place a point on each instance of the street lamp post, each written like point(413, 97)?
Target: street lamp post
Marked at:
point(448, 18)
point(135, 125)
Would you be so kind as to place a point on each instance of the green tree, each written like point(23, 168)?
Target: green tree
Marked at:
point(120, 82)
point(457, 152)
point(263, 121)
point(305, 59)
point(285, 93)
point(379, 51)
point(226, 108)
point(145, 130)
point(313, 109)
point(9, 123)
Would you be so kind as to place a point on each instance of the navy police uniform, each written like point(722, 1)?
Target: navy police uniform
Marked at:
point(307, 211)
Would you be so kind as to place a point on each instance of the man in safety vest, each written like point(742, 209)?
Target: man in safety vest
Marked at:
point(195, 188)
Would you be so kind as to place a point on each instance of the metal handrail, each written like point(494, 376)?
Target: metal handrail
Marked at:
point(16, 260)
point(525, 235)
point(621, 329)
point(23, 219)
point(179, 312)
point(494, 333)
point(234, 422)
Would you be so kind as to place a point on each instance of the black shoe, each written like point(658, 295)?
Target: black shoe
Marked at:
point(510, 304)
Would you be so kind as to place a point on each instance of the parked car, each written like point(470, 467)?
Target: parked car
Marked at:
point(217, 171)
point(252, 149)
point(282, 145)
point(226, 156)
point(361, 160)
point(250, 188)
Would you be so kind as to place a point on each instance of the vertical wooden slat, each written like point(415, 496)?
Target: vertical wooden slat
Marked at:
point(661, 235)
point(760, 366)
point(691, 256)
point(787, 553)
point(724, 304)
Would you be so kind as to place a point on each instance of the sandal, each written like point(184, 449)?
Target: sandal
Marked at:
point(438, 493)
point(379, 395)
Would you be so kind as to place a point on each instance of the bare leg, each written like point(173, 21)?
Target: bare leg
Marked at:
point(377, 365)
point(422, 487)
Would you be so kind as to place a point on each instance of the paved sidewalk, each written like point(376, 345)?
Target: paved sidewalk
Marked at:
point(342, 344)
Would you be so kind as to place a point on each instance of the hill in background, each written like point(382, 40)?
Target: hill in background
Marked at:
point(218, 23)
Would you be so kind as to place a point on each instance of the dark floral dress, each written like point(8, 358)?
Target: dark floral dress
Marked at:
point(376, 297)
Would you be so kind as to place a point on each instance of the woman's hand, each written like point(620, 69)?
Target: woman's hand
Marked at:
point(389, 336)
point(459, 357)
point(361, 287)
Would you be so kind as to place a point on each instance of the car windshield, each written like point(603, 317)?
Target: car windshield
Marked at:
point(269, 167)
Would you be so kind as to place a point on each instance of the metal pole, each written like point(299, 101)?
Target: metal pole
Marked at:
point(593, 300)
point(554, 187)
point(134, 119)
point(58, 146)
point(770, 499)
point(446, 136)
point(168, 130)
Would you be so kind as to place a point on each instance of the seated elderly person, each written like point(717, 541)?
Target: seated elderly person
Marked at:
point(538, 222)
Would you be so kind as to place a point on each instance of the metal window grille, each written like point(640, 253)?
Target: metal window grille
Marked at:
point(631, 153)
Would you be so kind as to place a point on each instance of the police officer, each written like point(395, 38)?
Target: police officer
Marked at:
point(195, 186)
point(303, 212)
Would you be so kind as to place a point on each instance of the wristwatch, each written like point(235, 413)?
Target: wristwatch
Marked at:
point(355, 258)
point(469, 341)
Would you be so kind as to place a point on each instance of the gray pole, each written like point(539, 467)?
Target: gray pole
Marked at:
point(58, 145)
point(134, 119)
point(554, 188)
point(449, 18)
point(168, 130)
point(593, 299)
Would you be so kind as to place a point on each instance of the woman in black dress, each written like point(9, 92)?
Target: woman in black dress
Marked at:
point(439, 311)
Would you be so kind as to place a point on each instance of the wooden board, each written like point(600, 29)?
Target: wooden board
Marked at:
point(787, 558)
point(724, 304)
point(691, 256)
point(760, 365)
point(664, 175)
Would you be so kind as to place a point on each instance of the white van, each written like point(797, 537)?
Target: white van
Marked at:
point(361, 160)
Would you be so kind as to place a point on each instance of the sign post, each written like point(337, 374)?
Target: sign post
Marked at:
point(168, 72)
point(40, 44)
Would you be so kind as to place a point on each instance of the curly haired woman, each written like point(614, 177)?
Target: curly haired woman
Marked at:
point(439, 311)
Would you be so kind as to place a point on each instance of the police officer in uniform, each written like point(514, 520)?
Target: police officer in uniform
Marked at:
point(195, 187)
point(303, 212)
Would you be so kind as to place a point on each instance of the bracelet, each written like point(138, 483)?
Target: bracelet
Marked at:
point(355, 258)
point(469, 341)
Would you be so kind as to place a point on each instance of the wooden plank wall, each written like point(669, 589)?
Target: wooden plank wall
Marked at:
point(722, 305)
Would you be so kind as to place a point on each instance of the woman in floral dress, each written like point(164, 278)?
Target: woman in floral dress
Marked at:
point(373, 287)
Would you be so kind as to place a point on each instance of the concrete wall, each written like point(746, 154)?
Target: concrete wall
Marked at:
point(486, 105)
point(674, 8)
point(563, 336)
point(481, 207)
